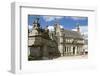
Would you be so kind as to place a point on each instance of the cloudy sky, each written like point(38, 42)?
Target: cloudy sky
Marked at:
point(66, 22)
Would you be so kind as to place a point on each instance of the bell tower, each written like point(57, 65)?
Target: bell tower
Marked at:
point(36, 27)
point(57, 28)
point(59, 36)
point(36, 23)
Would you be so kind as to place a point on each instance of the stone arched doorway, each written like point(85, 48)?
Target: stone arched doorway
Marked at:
point(73, 50)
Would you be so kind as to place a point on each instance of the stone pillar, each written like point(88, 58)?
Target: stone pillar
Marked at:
point(28, 51)
point(71, 50)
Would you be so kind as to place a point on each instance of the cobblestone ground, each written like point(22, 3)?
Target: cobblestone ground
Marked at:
point(72, 57)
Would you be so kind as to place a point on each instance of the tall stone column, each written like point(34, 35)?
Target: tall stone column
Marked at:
point(71, 50)
point(28, 50)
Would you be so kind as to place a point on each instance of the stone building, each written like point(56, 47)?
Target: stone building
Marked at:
point(69, 42)
point(44, 44)
point(40, 45)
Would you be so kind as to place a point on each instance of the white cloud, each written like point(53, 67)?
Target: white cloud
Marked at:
point(30, 27)
point(74, 29)
point(83, 30)
point(51, 18)
point(61, 26)
point(51, 28)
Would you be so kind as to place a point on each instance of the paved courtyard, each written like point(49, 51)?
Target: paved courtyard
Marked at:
point(72, 57)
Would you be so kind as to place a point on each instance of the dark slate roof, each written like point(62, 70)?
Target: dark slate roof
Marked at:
point(72, 34)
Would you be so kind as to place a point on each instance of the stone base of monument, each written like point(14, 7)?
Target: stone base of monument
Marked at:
point(45, 58)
